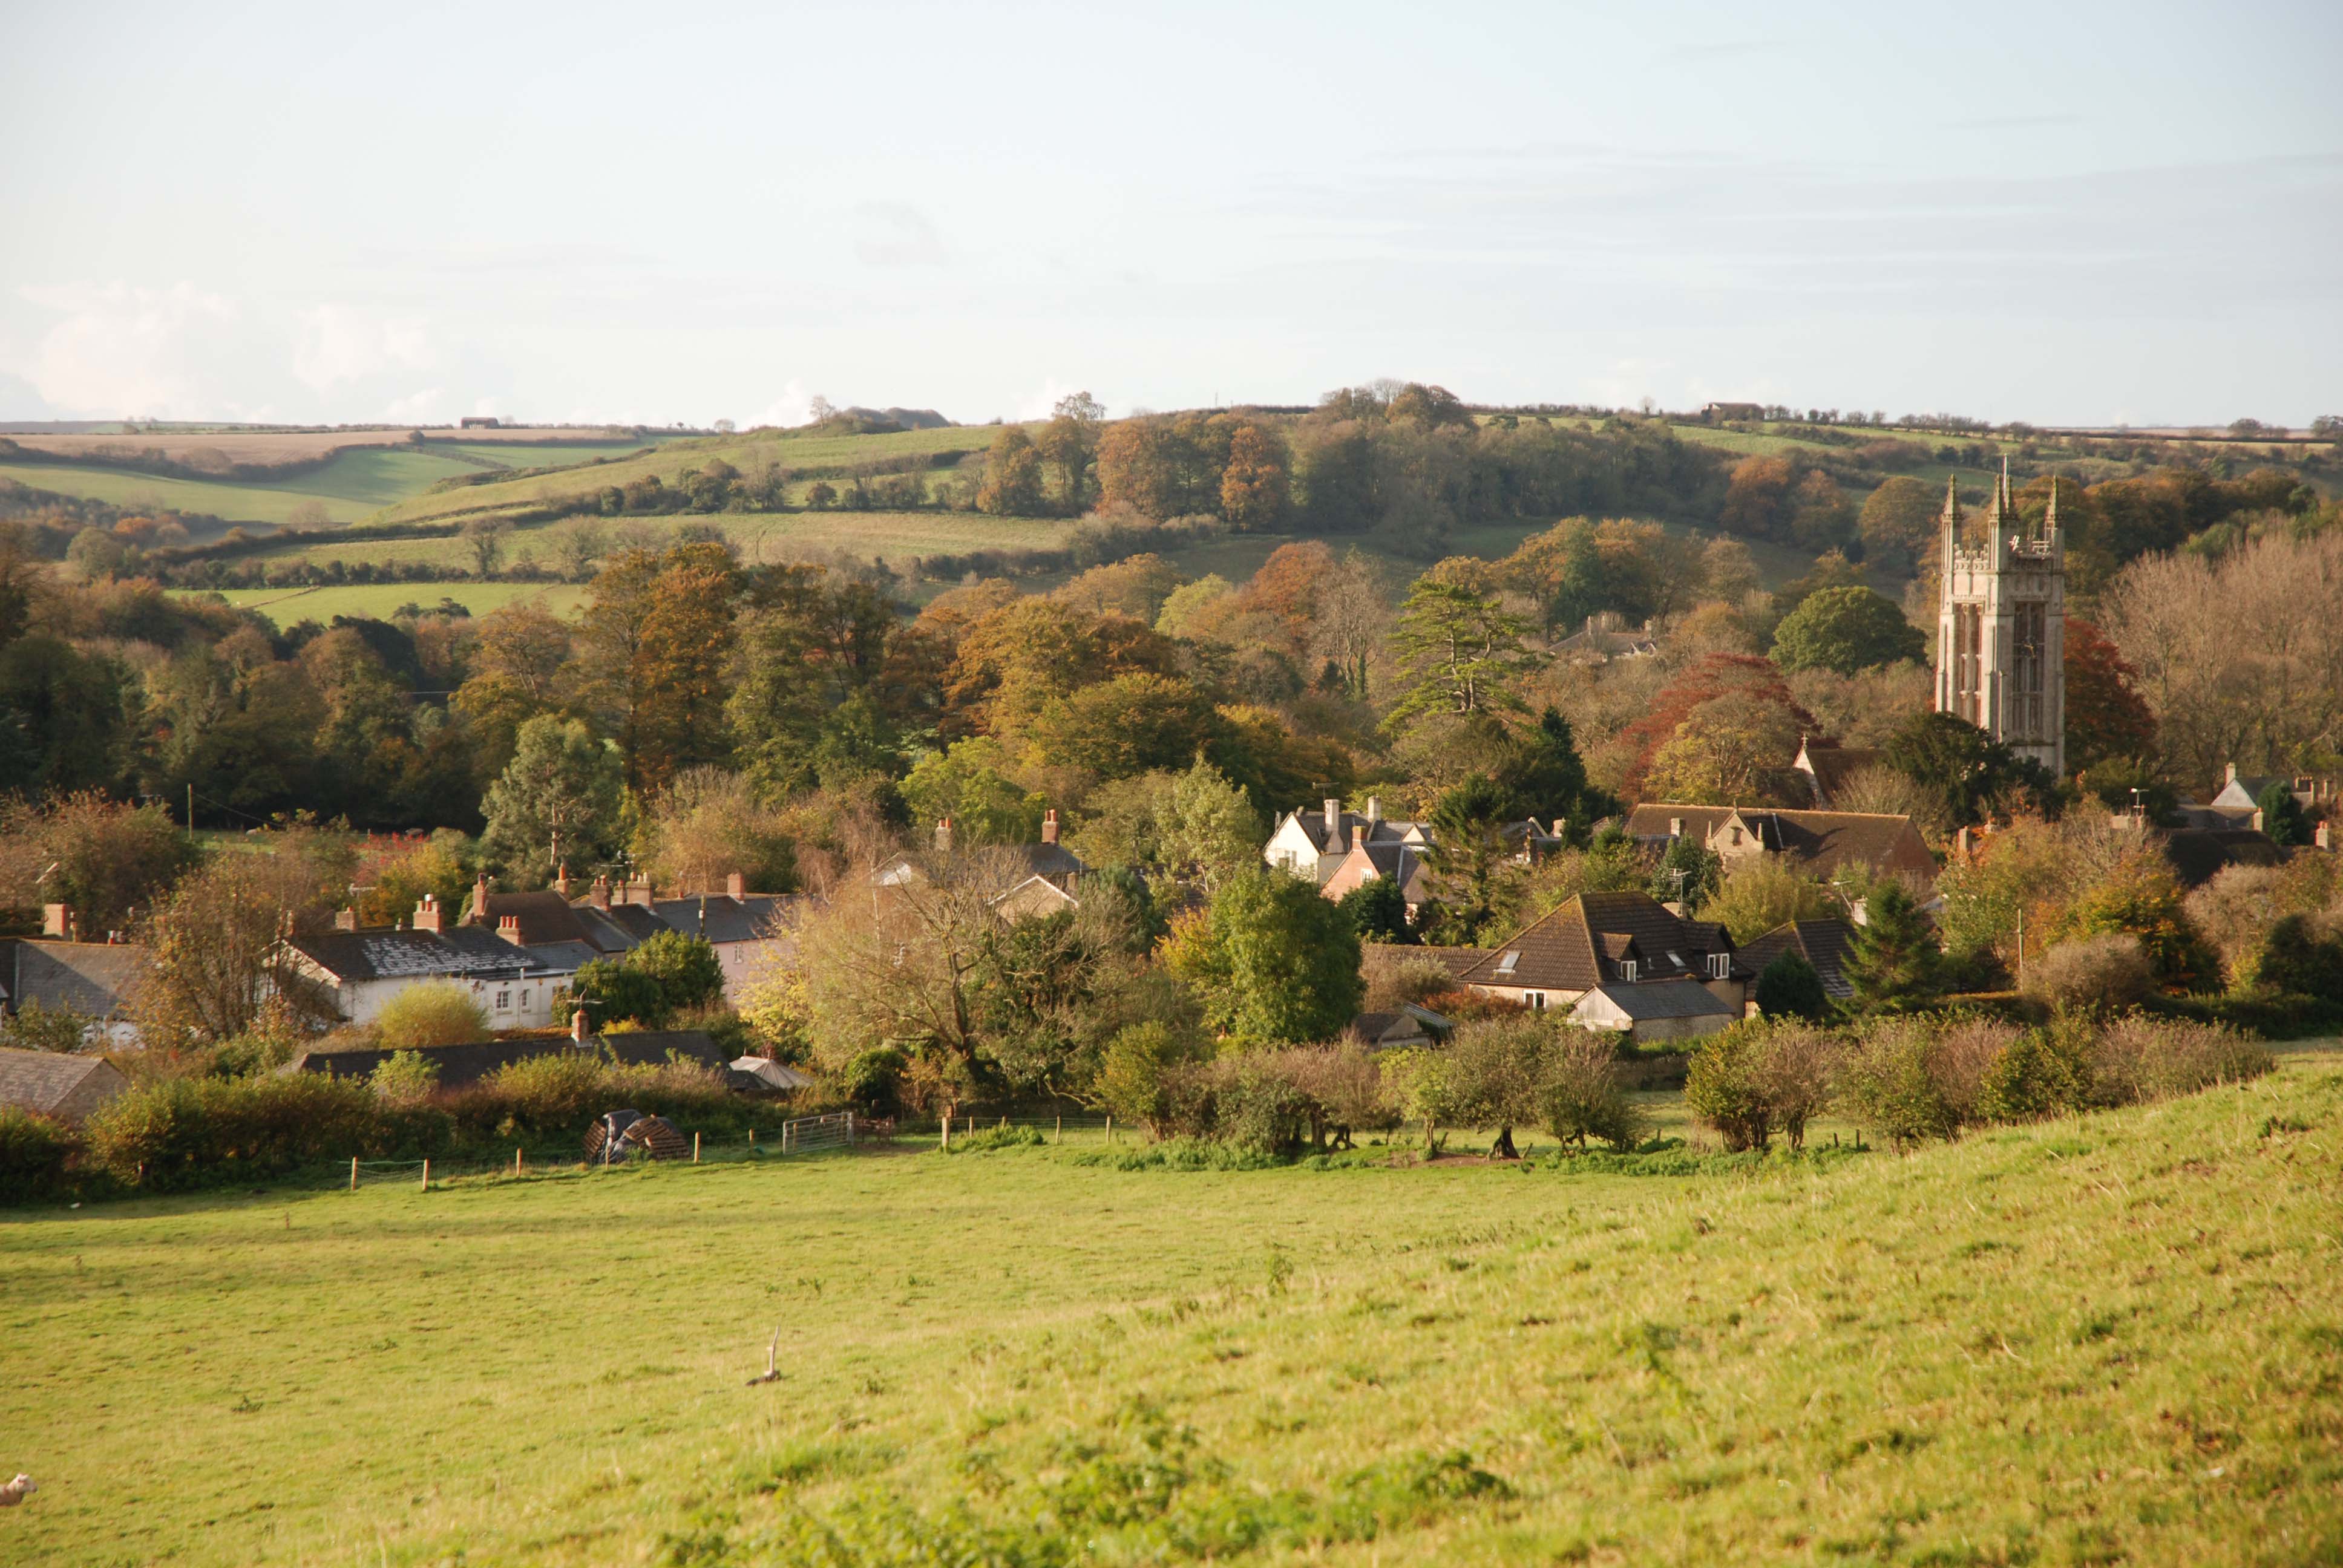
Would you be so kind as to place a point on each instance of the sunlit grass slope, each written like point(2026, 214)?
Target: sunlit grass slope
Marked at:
point(2112, 1340)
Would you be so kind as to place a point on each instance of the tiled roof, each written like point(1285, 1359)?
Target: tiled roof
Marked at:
point(563, 958)
point(42, 1081)
point(1818, 842)
point(1380, 829)
point(96, 979)
point(717, 917)
point(386, 953)
point(1581, 944)
point(2198, 854)
point(1823, 944)
point(1834, 765)
point(618, 928)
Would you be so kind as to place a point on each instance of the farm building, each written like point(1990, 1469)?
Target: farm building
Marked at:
point(53, 1084)
point(95, 981)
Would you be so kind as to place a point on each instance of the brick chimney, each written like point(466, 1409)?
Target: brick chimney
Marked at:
point(478, 912)
point(1050, 826)
point(427, 913)
point(1358, 835)
point(944, 836)
point(346, 921)
point(561, 881)
point(736, 886)
point(640, 892)
point(599, 896)
point(1334, 817)
point(57, 920)
point(577, 1030)
point(2322, 837)
point(509, 927)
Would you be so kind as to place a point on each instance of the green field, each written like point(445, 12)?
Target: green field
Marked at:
point(379, 601)
point(358, 481)
point(538, 454)
point(2118, 1339)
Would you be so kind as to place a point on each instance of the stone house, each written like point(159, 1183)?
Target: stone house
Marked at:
point(1816, 843)
point(1646, 960)
point(1313, 843)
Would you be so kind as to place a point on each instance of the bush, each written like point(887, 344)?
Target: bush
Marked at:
point(1723, 1088)
point(34, 1150)
point(1965, 1048)
point(435, 1012)
point(186, 1132)
point(1135, 1081)
point(1790, 987)
point(2043, 1072)
point(2138, 1058)
point(2110, 969)
point(1884, 1083)
point(1795, 1073)
point(871, 1082)
point(555, 1098)
point(685, 969)
point(405, 1078)
point(1585, 1094)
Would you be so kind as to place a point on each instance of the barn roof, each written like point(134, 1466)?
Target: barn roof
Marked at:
point(42, 1081)
point(1664, 998)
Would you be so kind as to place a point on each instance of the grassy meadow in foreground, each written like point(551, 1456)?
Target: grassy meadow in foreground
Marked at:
point(2116, 1340)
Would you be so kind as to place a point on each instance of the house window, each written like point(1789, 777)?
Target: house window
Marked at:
point(1536, 999)
point(1627, 969)
point(1720, 966)
point(504, 1001)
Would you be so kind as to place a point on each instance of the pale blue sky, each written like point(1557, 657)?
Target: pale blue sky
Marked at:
point(2048, 212)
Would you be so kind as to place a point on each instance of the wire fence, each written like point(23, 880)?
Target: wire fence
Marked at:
point(803, 1136)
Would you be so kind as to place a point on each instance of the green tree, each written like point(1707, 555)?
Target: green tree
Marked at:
point(556, 804)
point(685, 969)
point(1961, 770)
point(434, 1012)
point(1893, 962)
point(1126, 726)
point(1688, 872)
point(1761, 893)
point(1470, 860)
point(969, 782)
point(1460, 652)
point(612, 992)
point(1899, 520)
point(1270, 959)
point(1847, 630)
point(1195, 829)
point(1012, 476)
point(2283, 818)
point(1497, 1074)
point(1379, 909)
point(1790, 987)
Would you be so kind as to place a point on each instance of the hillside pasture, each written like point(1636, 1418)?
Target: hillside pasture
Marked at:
point(2111, 1340)
point(380, 601)
point(353, 485)
point(179, 444)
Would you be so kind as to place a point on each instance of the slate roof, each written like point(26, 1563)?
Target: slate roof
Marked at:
point(620, 928)
point(1380, 829)
point(1818, 842)
point(1403, 863)
point(43, 1080)
point(1668, 999)
point(97, 980)
point(385, 953)
point(1583, 943)
point(717, 917)
point(545, 918)
point(1823, 944)
point(563, 958)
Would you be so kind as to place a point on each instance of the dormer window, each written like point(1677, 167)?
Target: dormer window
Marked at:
point(1720, 966)
point(1627, 969)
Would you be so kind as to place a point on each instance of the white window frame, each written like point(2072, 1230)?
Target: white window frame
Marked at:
point(504, 1001)
point(1536, 1000)
point(1627, 971)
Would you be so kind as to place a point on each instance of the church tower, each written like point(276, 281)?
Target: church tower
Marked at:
point(2001, 628)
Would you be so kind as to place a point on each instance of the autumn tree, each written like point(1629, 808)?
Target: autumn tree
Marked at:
point(1899, 520)
point(103, 860)
point(708, 824)
point(1068, 444)
point(682, 667)
point(217, 959)
point(1846, 629)
point(2105, 715)
point(1254, 486)
point(1012, 476)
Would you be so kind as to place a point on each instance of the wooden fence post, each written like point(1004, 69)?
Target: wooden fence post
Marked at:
point(1057, 1134)
point(516, 1162)
point(427, 1173)
point(353, 1172)
point(695, 1149)
point(752, 1138)
point(1110, 1129)
point(946, 1144)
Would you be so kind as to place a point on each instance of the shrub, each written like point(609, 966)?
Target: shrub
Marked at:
point(2042, 1072)
point(2138, 1058)
point(613, 992)
point(33, 1027)
point(405, 1078)
point(2110, 969)
point(1884, 1083)
point(1794, 1072)
point(1418, 1081)
point(2296, 958)
point(872, 1082)
point(1135, 1079)
point(435, 1012)
point(1724, 1087)
point(1584, 1094)
point(1790, 987)
point(554, 1097)
point(34, 1150)
point(189, 1131)
point(1965, 1048)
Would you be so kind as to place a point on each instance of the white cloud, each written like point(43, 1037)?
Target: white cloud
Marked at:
point(340, 342)
point(122, 350)
point(415, 408)
point(895, 234)
point(793, 406)
point(1039, 406)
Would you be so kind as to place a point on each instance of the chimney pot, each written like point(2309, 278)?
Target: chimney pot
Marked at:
point(427, 913)
point(600, 895)
point(479, 910)
point(578, 1025)
point(509, 927)
point(347, 920)
point(1375, 809)
point(736, 886)
point(944, 836)
point(561, 881)
point(1050, 826)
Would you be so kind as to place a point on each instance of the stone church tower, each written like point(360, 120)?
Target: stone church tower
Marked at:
point(2001, 629)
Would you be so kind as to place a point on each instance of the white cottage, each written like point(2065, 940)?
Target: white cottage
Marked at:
point(362, 969)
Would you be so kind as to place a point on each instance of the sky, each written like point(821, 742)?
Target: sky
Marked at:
point(2077, 212)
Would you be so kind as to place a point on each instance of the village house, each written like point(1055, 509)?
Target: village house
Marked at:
point(57, 1084)
point(360, 970)
point(1816, 843)
point(1825, 944)
point(1400, 1028)
point(1313, 843)
point(1621, 960)
point(1401, 862)
point(2237, 803)
point(1827, 769)
point(95, 982)
point(1606, 637)
point(1048, 860)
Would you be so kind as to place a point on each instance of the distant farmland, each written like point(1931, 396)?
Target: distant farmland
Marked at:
point(274, 447)
point(379, 601)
